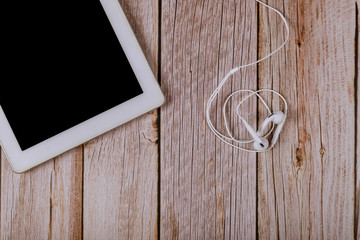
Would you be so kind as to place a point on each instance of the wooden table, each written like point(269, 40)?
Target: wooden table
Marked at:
point(165, 175)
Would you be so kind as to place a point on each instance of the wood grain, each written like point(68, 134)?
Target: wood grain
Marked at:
point(121, 166)
point(208, 190)
point(306, 184)
point(66, 196)
point(43, 203)
point(357, 126)
point(307, 187)
point(25, 202)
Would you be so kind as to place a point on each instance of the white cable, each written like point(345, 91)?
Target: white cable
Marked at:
point(229, 139)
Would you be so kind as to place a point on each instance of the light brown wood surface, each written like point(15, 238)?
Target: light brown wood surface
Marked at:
point(106, 189)
point(165, 175)
point(207, 188)
point(306, 184)
point(120, 168)
point(357, 126)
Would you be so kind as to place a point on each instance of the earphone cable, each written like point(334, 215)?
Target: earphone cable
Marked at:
point(227, 139)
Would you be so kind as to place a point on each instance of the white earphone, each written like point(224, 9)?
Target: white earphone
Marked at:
point(259, 137)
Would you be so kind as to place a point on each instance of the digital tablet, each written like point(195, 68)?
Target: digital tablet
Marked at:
point(71, 70)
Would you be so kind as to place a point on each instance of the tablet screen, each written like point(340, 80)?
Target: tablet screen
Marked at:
point(61, 64)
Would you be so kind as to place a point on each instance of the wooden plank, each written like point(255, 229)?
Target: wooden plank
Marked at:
point(43, 203)
point(357, 84)
point(208, 189)
point(120, 167)
point(25, 202)
point(66, 195)
point(306, 184)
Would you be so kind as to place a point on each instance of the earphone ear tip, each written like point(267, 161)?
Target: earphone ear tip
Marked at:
point(261, 146)
point(279, 117)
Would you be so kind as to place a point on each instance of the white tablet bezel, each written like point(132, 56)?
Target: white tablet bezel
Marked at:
point(151, 98)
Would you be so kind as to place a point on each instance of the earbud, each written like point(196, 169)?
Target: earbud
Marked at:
point(277, 133)
point(262, 145)
point(252, 132)
point(276, 117)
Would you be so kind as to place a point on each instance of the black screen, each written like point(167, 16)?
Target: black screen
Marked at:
point(61, 64)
